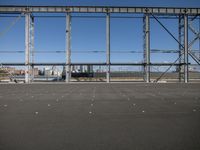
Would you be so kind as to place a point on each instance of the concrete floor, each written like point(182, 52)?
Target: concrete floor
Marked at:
point(100, 116)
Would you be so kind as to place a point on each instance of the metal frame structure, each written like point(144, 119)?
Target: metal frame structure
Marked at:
point(98, 9)
point(108, 47)
point(183, 14)
point(146, 30)
point(29, 47)
point(181, 41)
point(68, 49)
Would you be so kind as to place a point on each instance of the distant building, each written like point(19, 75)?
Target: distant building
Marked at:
point(34, 71)
point(82, 68)
point(53, 71)
point(47, 72)
point(17, 72)
point(89, 68)
point(10, 69)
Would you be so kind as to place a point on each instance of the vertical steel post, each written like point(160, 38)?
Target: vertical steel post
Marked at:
point(147, 48)
point(32, 46)
point(108, 47)
point(144, 48)
point(186, 48)
point(68, 48)
point(27, 47)
point(181, 49)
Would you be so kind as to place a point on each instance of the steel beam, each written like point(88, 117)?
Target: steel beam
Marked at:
point(27, 47)
point(147, 48)
point(186, 48)
point(108, 47)
point(98, 9)
point(181, 42)
point(94, 64)
point(68, 48)
point(99, 51)
point(32, 46)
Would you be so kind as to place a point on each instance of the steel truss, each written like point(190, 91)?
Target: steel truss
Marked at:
point(98, 9)
point(183, 15)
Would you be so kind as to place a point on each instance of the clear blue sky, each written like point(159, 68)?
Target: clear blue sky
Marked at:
point(164, 3)
point(89, 34)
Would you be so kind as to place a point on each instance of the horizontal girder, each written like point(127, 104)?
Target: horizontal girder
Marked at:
point(95, 64)
point(98, 9)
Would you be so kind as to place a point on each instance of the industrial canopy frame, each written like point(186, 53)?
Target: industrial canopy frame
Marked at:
point(184, 48)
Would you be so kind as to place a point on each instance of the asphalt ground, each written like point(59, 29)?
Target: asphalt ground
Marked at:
point(100, 116)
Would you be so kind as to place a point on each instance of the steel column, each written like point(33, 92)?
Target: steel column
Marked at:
point(180, 47)
point(27, 47)
point(181, 42)
point(32, 46)
point(147, 47)
point(186, 48)
point(68, 48)
point(108, 47)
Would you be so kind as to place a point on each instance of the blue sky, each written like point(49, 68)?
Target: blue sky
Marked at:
point(89, 33)
point(160, 3)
